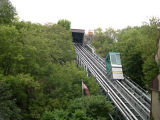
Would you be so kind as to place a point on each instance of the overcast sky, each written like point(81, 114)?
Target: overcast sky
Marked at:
point(89, 14)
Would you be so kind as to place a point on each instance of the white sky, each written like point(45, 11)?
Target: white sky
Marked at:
point(88, 14)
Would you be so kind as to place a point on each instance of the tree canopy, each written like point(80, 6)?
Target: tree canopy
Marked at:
point(7, 12)
point(65, 23)
point(85, 108)
point(37, 62)
point(38, 71)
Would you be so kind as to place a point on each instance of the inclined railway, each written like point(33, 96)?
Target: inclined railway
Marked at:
point(129, 99)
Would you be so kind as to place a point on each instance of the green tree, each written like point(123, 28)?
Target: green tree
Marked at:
point(103, 41)
point(95, 107)
point(27, 92)
point(65, 23)
point(8, 109)
point(38, 66)
point(7, 12)
point(62, 83)
point(10, 49)
point(85, 108)
point(56, 115)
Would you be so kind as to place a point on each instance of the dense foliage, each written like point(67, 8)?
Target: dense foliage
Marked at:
point(7, 12)
point(86, 108)
point(38, 71)
point(137, 46)
point(65, 23)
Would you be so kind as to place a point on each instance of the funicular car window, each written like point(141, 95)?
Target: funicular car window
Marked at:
point(113, 59)
point(118, 60)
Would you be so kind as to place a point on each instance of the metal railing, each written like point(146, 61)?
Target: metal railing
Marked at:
point(132, 86)
point(128, 104)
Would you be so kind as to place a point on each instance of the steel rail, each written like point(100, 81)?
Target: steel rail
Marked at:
point(138, 90)
point(115, 100)
point(134, 99)
point(130, 95)
point(112, 89)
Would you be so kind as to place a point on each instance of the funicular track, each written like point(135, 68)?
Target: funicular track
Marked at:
point(124, 94)
point(134, 88)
